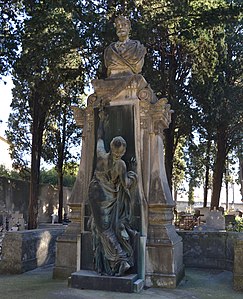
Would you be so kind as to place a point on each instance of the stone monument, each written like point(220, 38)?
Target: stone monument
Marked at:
point(121, 235)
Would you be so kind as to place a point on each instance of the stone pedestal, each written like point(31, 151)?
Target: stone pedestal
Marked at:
point(164, 260)
point(66, 246)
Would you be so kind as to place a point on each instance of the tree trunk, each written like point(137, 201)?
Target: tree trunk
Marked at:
point(241, 178)
point(60, 196)
point(34, 182)
point(219, 166)
point(169, 152)
point(205, 195)
point(169, 133)
point(191, 194)
point(37, 131)
point(62, 141)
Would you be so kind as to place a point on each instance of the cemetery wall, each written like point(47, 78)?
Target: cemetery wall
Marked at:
point(26, 250)
point(209, 249)
point(183, 206)
point(215, 250)
point(14, 197)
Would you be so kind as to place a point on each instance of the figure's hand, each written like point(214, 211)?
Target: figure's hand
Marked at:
point(133, 164)
point(133, 177)
point(102, 114)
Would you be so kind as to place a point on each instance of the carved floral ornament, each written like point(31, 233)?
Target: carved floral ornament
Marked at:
point(156, 116)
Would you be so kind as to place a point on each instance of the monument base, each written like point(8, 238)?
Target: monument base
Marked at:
point(65, 263)
point(169, 281)
point(66, 245)
point(90, 280)
point(168, 250)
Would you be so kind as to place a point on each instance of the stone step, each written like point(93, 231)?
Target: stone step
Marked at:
point(86, 279)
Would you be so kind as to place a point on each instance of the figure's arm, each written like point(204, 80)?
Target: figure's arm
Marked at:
point(101, 131)
point(126, 178)
point(100, 147)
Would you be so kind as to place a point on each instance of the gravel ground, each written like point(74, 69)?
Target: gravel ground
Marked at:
point(197, 284)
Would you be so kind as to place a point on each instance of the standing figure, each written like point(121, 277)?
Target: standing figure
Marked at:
point(110, 202)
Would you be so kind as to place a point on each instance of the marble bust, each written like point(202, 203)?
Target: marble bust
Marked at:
point(124, 57)
point(124, 61)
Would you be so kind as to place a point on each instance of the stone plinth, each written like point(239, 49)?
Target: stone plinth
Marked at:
point(66, 247)
point(92, 281)
point(163, 245)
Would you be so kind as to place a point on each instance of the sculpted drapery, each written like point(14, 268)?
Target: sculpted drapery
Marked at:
point(110, 202)
point(124, 58)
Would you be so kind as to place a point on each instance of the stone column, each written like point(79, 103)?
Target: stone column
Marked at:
point(164, 251)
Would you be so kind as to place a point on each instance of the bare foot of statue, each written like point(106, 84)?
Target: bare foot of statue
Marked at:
point(124, 266)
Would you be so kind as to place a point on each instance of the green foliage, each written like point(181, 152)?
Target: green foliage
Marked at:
point(51, 63)
point(191, 194)
point(13, 174)
point(179, 168)
point(46, 176)
point(51, 176)
point(10, 26)
point(194, 58)
point(49, 66)
point(237, 226)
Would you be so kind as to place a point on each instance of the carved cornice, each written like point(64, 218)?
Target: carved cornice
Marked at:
point(84, 118)
point(158, 115)
point(79, 116)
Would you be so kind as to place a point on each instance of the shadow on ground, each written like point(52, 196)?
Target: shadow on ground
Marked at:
point(197, 284)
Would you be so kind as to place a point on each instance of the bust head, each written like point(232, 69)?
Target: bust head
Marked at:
point(118, 147)
point(123, 27)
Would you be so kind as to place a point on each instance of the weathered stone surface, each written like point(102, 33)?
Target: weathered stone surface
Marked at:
point(92, 281)
point(238, 265)
point(67, 246)
point(204, 213)
point(209, 249)
point(215, 250)
point(164, 259)
point(215, 220)
point(26, 250)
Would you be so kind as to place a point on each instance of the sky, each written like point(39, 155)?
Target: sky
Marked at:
point(5, 98)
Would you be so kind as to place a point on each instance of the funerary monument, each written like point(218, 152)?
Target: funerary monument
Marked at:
point(121, 235)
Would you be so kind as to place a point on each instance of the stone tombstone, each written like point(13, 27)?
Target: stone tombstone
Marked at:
point(122, 208)
point(203, 213)
point(215, 220)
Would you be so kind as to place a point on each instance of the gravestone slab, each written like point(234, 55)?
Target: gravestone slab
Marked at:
point(215, 220)
point(90, 280)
